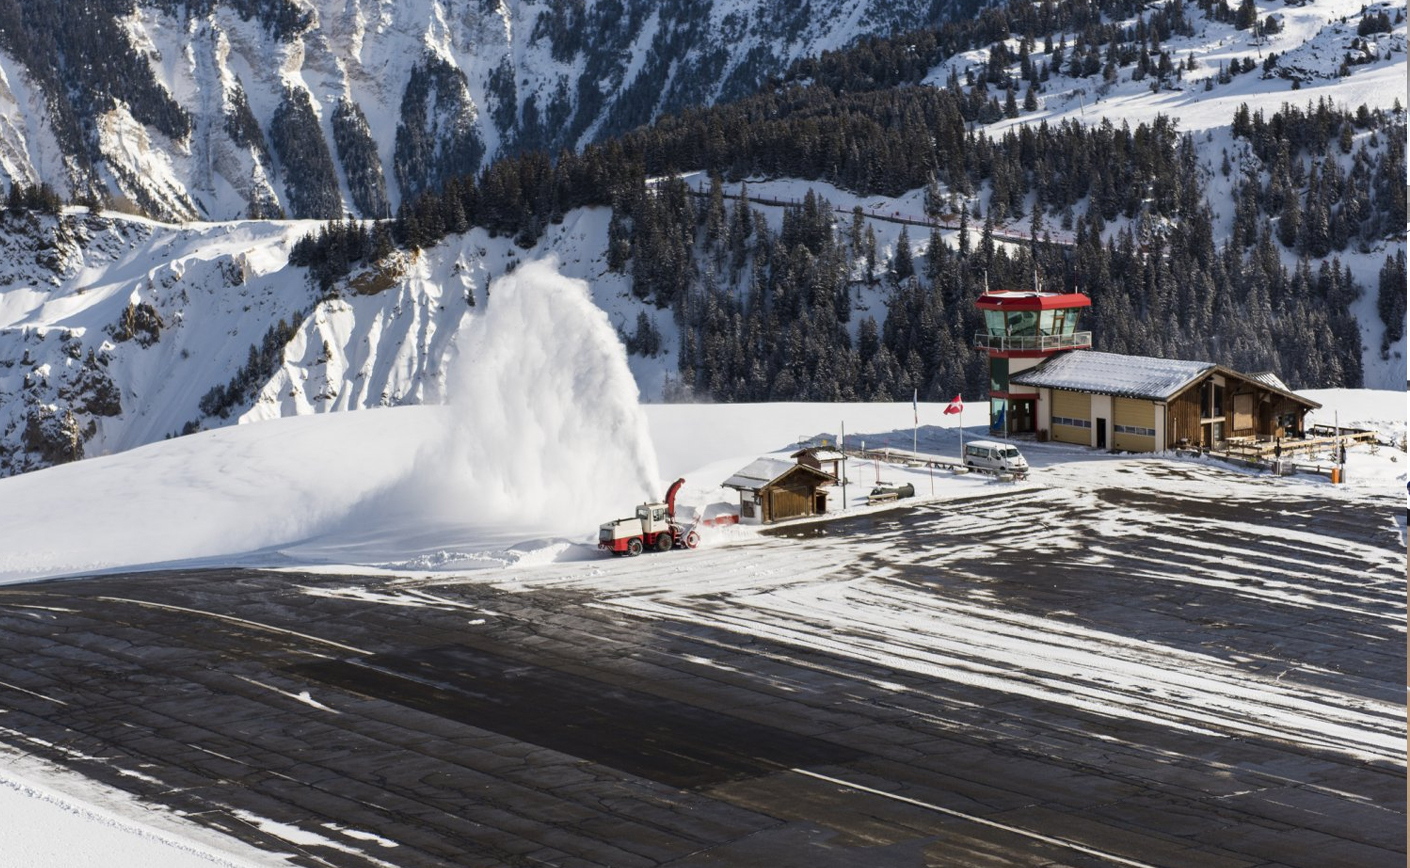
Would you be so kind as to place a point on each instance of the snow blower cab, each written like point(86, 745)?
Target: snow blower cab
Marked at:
point(653, 527)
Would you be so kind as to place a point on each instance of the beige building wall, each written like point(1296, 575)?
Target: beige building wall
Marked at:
point(1018, 366)
point(1101, 410)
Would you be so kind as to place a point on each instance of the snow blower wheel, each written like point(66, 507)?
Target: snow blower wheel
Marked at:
point(633, 547)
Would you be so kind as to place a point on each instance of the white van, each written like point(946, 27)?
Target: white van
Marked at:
point(991, 457)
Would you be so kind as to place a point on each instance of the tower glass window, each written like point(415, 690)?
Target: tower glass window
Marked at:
point(1023, 323)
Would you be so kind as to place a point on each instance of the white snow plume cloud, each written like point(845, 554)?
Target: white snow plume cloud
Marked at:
point(546, 432)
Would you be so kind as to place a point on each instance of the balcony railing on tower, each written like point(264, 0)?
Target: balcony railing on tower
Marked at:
point(1011, 343)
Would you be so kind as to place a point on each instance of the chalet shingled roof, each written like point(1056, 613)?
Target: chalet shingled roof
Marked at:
point(763, 472)
point(1268, 378)
point(821, 453)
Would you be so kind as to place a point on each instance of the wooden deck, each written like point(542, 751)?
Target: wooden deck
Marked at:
point(1323, 439)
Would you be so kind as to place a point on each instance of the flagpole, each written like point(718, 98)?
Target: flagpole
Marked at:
point(915, 431)
point(843, 450)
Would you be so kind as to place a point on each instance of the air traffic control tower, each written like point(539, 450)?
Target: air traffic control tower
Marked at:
point(1022, 329)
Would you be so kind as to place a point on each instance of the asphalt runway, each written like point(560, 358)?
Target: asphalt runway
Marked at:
point(540, 726)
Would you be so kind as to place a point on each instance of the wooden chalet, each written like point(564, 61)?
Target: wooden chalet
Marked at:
point(1143, 404)
point(771, 489)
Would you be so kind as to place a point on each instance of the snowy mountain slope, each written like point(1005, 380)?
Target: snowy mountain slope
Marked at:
point(1318, 31)
point(1306, 63)
point(28, 150)
point(118, 335)
point(116, 338)
point(440, 87)
point(113, 332)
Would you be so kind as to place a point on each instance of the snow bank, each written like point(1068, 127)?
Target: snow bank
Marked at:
point(216, 497)
point(1380, 410)
point(472, 485)
point(53, 817)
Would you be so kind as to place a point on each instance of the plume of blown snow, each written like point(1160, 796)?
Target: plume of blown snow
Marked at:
point(545, 431)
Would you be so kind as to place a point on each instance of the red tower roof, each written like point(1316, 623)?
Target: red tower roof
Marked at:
point(1011, 300)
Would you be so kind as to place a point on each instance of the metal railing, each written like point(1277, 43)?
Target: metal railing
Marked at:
point(1007, 343)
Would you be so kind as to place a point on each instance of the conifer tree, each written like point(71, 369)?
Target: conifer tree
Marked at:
point(1247, 16)
point(869, 251)
point(1390, 300)
point(902, 265)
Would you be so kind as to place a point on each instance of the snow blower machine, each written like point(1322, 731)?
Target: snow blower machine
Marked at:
point(653, 527)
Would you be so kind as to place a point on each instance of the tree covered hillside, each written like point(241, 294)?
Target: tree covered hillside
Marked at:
point(768, 315)
point(222, 109)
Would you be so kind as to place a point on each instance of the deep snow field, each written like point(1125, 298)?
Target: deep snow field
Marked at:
point(540, 441)
point(373, 491)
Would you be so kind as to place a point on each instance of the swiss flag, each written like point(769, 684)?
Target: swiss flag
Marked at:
point(956, 406)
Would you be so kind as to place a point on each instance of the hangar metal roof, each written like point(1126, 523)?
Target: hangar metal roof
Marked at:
point(1115, 374)
point(1136, 376)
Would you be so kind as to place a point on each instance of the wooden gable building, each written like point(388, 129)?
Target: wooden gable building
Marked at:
point(771, 489)
point(1144, 404)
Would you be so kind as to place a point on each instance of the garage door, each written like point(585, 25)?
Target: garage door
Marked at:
point(1135, 425)
point(1072, 417)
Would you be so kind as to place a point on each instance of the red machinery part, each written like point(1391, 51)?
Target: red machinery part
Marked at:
point(671, 497)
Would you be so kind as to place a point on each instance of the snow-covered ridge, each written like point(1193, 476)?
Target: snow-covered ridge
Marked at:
point(505, 76)
point(1305, 60)
point(116, 335)
point(517, 74)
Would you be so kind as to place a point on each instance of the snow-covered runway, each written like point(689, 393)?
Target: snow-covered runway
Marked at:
point(1125, 660)
point(1077, 672)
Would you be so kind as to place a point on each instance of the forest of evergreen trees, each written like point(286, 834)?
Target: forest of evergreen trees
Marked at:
point(764, 316)
point(767, 318)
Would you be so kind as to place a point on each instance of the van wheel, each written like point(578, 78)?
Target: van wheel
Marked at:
point(633, 547)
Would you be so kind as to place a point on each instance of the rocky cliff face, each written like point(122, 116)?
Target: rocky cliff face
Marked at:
point(221, 109)
point(116, 332)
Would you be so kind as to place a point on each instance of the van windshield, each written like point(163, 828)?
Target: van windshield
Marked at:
point(1009, 452)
